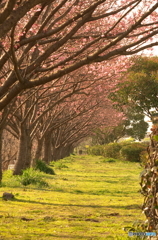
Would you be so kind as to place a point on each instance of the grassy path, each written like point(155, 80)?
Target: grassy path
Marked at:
point(88, 198)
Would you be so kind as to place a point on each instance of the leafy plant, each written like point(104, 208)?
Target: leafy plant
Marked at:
point(126, 150)
point(132, 152)
point(97, 150)
point(137, 227)
point(112, 150)
point(43, 167)
point(32, 176)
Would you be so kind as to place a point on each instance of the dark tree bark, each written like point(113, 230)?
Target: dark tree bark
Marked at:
point(3, 123)
point(47, 148)
point(24, 151)
point(28, 157)
point(149, 183)
point(38, 154)
point(56, 153)
point(62, 152)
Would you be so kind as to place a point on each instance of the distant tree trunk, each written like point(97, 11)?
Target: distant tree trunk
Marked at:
point(66, 151)
point(38, 154)
point(3, 123)
point(24, 151)
point(62, 152)
point(28, 157)
point(47, 148)
point(56, 153)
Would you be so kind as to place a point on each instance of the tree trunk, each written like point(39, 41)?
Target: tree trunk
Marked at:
point(56, 153)
point(62, 152)
point(66, 151)
point(149, 183)
point(47, 149)
point(38, 154)
point(28, 157)
point(24, 151)
point(1, 131)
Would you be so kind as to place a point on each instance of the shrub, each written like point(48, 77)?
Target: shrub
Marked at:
point(132, 152)
point(97, 150)
point(43, 167)
point(32, 176)
point(126, 150)
point(112, 150)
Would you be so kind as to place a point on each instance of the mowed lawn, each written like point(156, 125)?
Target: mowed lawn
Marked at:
point(88, 198)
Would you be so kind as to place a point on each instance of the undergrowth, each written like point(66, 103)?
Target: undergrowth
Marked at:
point(32, 176)
point(43, 167)
point(29, 176)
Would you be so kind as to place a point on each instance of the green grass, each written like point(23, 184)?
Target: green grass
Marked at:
point(90, 198)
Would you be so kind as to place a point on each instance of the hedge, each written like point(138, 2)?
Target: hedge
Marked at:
point(128, 151)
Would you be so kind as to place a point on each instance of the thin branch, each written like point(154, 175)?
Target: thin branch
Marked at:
point(14, 60)
point(7, 10)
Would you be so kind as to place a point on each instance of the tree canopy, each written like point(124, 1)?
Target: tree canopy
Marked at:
point(137, 95)
point(43, 40)
point(139, 89)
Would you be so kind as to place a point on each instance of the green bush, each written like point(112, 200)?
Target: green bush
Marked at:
point(132, 152)
point(126, 150)
point(112, 150)
point(32, 176)
point(43, 167)
point(97, 150)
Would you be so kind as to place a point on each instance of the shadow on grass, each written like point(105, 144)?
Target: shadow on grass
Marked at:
point(55, 236)
point(56, 204)
point(104, 192)
point(27, 188)
point(133, 206)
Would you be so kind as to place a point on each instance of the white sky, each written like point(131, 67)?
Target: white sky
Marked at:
point(154, 51)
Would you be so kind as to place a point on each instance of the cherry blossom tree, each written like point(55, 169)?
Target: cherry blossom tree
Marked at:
point(35, 109)
point(67, 137)
point(43, 40)
point(53, 110)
